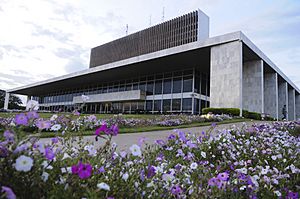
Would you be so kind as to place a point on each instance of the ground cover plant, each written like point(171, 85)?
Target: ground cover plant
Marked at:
point(259, 161)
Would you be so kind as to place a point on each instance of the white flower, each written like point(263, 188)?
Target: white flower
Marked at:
point(242, 170)
point(32, 105)
point(277, 193)
point(46, 165)
point(55, 127)
point(242, 188)
point(274, 157)
point(167, 177)
point(85, 98)
point(53, 117)
point(45, 176)
point(90, 148)
point(264, 171)
point(135, 150)
point(66, 156)
point(203, 154)
point(194, 165)
point(24, 163)
point(125, 176)
point(103, 186)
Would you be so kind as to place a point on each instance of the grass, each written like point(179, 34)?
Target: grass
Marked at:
point(150, 128)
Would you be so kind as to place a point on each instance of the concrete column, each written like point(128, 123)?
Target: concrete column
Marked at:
point(253, 86)
point(282, 97)
point(297, 100)
point(226, 76)
point(270, 94)
point(6, 100)
point(291, 100)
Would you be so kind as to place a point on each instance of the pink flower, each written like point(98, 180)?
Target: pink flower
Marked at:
point(82, 170)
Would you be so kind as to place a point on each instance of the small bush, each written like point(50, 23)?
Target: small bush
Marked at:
point(254, 115)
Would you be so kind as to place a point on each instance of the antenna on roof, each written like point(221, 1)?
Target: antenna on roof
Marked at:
point(126, 29)
point(150, 20)
point(163, 14)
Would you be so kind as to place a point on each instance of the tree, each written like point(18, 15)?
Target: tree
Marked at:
point(14, 101)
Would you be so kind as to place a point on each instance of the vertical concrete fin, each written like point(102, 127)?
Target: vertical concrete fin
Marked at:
point(6, 100)
point(226, 76)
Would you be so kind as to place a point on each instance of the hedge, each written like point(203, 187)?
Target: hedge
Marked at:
point(232, 112)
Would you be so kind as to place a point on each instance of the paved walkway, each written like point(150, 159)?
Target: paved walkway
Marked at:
point(124, 141)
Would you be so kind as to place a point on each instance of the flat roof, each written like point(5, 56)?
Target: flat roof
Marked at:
point(213, 41)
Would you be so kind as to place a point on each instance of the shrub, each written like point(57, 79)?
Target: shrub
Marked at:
point(219, 111)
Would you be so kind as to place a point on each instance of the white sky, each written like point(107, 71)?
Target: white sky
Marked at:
point(41, 39)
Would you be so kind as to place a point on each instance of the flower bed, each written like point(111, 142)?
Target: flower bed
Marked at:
point(261, 161)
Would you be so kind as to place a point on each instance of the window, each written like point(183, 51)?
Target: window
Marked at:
point(187, 104)
point(157, 105)
point(167, 86)
point(149, 105)
point(177, 85)
point(203, 84)
point(142, 86)
point(197, 84)
point(158, 87)
point(166, 105)
point(135, 86)
point(187, 84)
point(176, 104)
point(196, 106)
point(150, 86)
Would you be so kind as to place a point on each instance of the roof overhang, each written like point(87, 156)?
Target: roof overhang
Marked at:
point(109, 69)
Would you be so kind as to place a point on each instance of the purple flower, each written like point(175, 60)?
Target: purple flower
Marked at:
point(9, 136)
point(123, 154)
point(54, 140)
point(49, 154)
point(114, 130)
point(8, 192)
point(142, 175)
point(21, 148)
point(160, 142)
point(101, 169)
point(214, 124)
point(214, 182)
point(43, 124)
point(191, 145)
point(103, 128)
point(223, 176)
point(32, 115)
point(176, 190)
point(171, 137)
point(85, 171)
point(82, 170)
point(3, 151)
point(141, 141)
point(151, 172)
point(181, 136)
point(292, 195)
point(21, 119)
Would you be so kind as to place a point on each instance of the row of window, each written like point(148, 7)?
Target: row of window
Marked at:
point(166, 84)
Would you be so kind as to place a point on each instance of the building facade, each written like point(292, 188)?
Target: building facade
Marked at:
point(173, 67)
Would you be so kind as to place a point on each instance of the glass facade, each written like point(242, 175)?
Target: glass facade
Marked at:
point(185, 91)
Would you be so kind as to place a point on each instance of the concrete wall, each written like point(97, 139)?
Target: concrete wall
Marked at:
point(270, 94)
point(6, 100)
point(291, 100)
point(226, 75)
point(253, 85)
point(282, 97)
point(297, 100)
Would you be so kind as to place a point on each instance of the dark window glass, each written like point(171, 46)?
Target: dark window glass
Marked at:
point(176, 104)
point(149, 105)
point(187, 84)
point(133, 106)
point(122, 87)
point(127, 106)
point(141, 105)
point(197, 84)
point(158, 87)
point(196, 106)
point(157, 105)
point(150, 86)
point(116, 88)
point(203, 104)
point(177, 85)
point(142, 86)
point(167, 86)
point(135, 87)
point(128, 87)
point(208, 87)
point(110, 89)
point(187, 104)
point(166, 105)
point(203, 84)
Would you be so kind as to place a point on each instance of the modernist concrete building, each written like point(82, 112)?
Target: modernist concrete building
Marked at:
point(170, 68)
